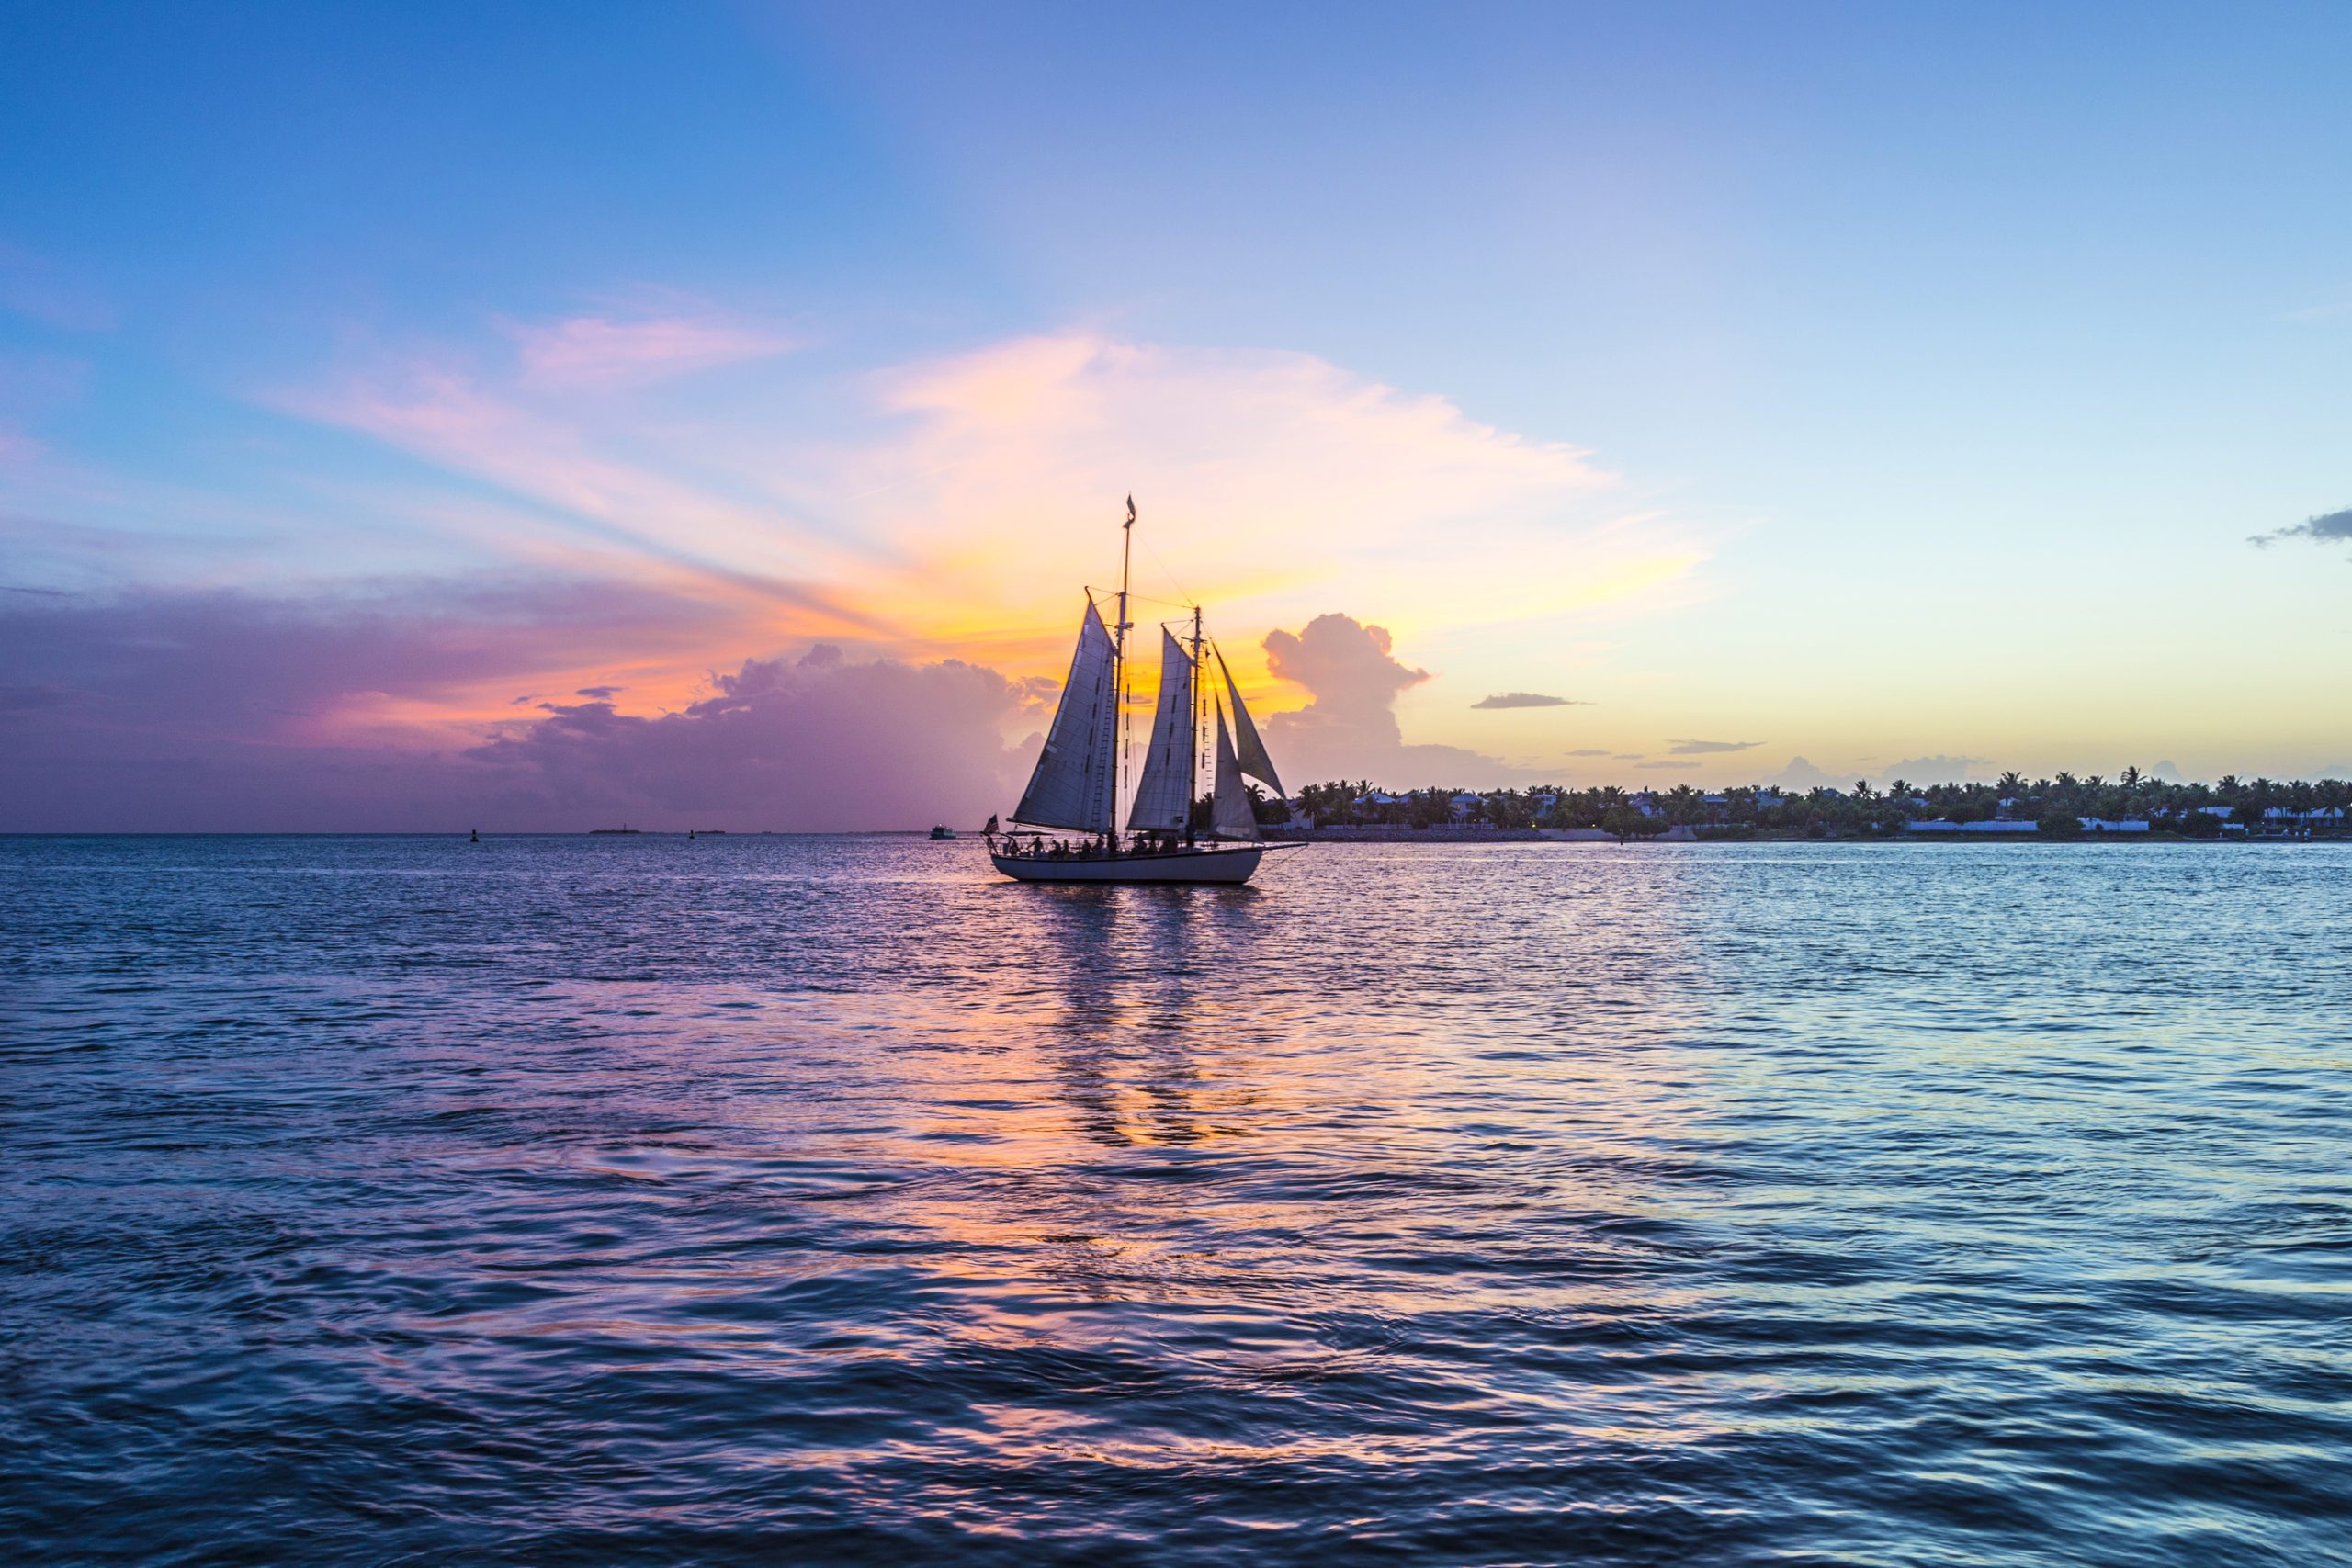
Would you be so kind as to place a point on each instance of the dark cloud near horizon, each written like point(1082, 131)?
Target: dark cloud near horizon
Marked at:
point(197, 712)
point(1707, 748)
point(203, 663)
point(822, 741)
point(1527, 700)
point(2328, 527)
point(600, 693)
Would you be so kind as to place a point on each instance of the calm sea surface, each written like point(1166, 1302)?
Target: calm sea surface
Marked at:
point(826, 1200)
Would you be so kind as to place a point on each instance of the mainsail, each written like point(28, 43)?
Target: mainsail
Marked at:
point(1164, 795)
point(1230, 816)
point(1251, 751)
point(1076, 771)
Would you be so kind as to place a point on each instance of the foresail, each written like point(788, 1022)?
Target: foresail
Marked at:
point(1164, 796)
point(1251, 752)
point(1229, 813)
point(1075, 772)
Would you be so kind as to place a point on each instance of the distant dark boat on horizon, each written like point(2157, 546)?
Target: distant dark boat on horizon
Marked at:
point(1077, 784)
point(942, 832)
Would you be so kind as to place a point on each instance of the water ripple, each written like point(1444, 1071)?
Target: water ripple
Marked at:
point(547, 1201)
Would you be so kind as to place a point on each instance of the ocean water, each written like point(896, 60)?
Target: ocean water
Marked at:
point(613, 1200)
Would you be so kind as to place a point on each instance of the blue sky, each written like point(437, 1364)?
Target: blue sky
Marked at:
point(1882, 382)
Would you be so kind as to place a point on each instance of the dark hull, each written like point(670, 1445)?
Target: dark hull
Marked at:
point(1225, 865)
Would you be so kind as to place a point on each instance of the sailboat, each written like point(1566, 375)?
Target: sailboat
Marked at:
point(1077, 784)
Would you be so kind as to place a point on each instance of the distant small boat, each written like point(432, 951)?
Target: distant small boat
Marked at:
point(1077, 784)
point(942, 832)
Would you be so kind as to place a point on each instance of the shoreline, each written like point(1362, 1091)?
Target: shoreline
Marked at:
point(1601, 836)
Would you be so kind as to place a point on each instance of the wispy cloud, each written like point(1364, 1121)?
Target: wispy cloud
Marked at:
point(1590, 751)
point(2335, 310)
point(2328, 527)
point(35, 287)
point(606, 352)
point(1668, 764)
point(1700, 748)
point(1526, 700)
point(915, 513)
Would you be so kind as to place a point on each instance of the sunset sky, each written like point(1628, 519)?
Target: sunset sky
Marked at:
point(425, 415)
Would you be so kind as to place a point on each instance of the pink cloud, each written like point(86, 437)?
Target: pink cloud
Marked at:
point(950, 505)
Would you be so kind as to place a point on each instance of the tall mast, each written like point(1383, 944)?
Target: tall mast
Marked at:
point(1119, 673)
point(1193, 751)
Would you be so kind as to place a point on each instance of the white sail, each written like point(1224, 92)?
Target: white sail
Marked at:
point(1229, 813)
point(1077, 773)
point(1164, 796)
point(1251, 752)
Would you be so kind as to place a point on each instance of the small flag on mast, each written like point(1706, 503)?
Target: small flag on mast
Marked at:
point(1131, 513)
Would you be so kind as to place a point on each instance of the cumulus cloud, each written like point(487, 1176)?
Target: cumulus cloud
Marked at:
point(2329, 527)
point(1526, 700)
point(1704, 748)
point(1802, 774)
point(1349, 729)
point(223, 712)
point(1937, 769)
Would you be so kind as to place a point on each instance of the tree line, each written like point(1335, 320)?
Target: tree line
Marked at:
point(2057, 805)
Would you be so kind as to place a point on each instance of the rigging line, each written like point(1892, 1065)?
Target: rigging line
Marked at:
point(1188, 600)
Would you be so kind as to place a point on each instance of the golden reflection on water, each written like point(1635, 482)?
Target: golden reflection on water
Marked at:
point(1141, 1110)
